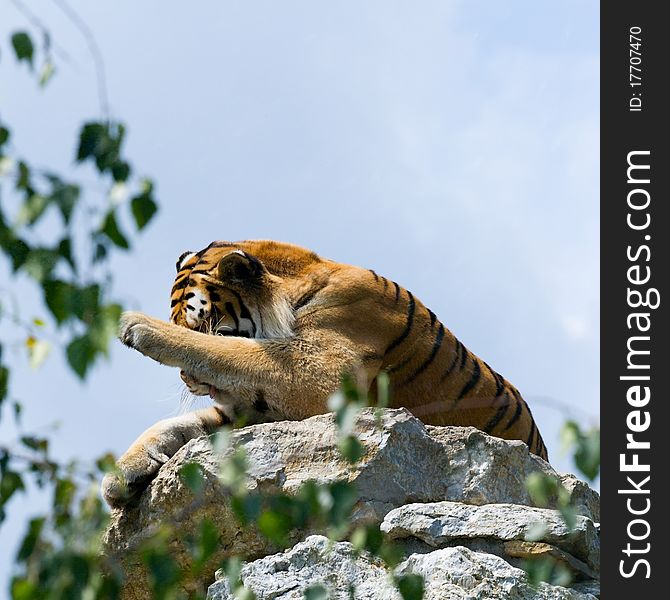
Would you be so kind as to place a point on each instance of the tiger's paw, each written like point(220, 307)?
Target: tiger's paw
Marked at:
point(134, 328)
point(134, 472)
point(141, 462)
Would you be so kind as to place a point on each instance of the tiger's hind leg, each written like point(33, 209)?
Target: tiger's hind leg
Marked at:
point(140, 463)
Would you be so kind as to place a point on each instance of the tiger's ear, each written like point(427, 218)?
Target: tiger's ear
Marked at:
point(240, 267)
point(183, 257)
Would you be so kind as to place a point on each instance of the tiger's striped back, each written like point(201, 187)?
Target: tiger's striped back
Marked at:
point(425, 360)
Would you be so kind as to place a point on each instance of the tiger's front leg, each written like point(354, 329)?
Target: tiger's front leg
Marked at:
point(291, 378)
point(140, 463)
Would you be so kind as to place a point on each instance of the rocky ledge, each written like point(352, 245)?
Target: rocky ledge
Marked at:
point(452, 498)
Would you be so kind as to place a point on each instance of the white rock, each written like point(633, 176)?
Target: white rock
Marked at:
point(440, 524)
point(449, 574)
point(404, 462)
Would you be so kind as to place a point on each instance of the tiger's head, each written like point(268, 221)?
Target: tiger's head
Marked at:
point(225, 290)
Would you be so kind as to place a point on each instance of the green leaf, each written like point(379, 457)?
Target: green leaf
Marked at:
point(315, 592)
point(65, 197)
point(86, 303)
point(65, 252)
point(4, 135)
point(59, 298)
point(274, 526)
point(100, 248)
point(351, 449)
point(410, 586)
point(106, 463)
point(344, 497)
point(39, 263)
point(102, 143)
point(32, 209)
point(569, 515)
point(66, 300)
point(23, 47)
point(586, 448)
point(120, 171)
point(18, 251)
point(35, 443)
point(383, 389)
point(206, 544)
point(23, 589)
point(368, 538)
point(541, 488)
point(10, 483)
point(164, 572)
point(111, 229)
point(80, 355)
point(15, 248)
point(23, 179)
point(4, 383)
point(104, 327)
point(587, 456)
point(64, 494)
point(91, 141)
point(192, 475)
point(143, 208)
point(31, 538)
point(247, 507)
point(232, 567)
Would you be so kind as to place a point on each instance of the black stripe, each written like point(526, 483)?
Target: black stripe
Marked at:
point(182, 256)
point(200, 272)
point(500, 382)
point(472, 382)
point(516, 415)
point(431, 358)
point(189, 295)
point(464, 358)
point(498, 416)
point(395, 368)
point(371, 357)
point(180, 285)
point(244, 312)
point(533, 431)
point(374, 274)
point(433, 318)
point(174, 302)
point(305, 299)
point(260, 405)
point(450, 368)
point(231, 311)
point(408, 327)
point(397, 291)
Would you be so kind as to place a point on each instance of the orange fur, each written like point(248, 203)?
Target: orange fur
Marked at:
point(268, 329)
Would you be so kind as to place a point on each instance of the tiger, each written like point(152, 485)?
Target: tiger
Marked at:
point(268, 329)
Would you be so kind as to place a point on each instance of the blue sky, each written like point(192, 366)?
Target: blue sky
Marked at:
point(451, 146)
